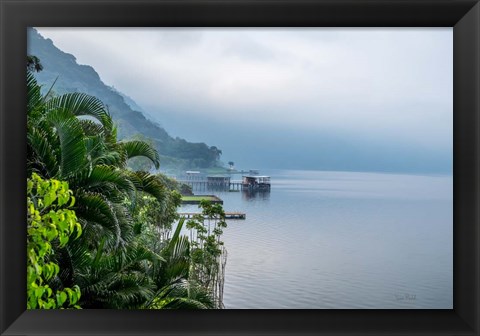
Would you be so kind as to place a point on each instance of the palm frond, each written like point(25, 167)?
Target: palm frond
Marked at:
point(176, 244)
point(177, 265)
point(110, 158)
point(73, 260)
point(34, 97)
point(149, 184)
point(102, 175)
point(42, 154)
point(125, 222)
point(118, 279)
point(96, 208)
point(91, 128)
point(177, 256)
point(183, 294)
point(71, 139)
point(81, 104)
point(96, 148)
point(182, 303)
point(130, 291)
point(135, 148)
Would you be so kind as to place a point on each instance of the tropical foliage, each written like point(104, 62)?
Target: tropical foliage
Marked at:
point(125, 256)
point(50, 223)
point(208, 252)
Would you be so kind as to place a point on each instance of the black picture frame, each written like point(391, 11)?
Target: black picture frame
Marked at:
point(462, 15)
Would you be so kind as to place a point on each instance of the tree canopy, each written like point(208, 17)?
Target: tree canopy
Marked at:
point(80, 181)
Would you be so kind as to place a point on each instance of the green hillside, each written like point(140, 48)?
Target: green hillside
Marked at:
point(62, 69)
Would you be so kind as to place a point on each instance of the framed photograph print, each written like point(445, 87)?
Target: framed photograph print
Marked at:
point(239, 167)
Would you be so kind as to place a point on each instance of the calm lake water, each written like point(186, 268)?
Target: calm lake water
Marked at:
point(341, 240)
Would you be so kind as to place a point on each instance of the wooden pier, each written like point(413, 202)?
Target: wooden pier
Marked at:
point(210, 185)
point(228, 215)
point(252, 182)
point(196, 199)
point(249, 183)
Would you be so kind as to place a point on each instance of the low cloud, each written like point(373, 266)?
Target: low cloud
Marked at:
point(395, 84)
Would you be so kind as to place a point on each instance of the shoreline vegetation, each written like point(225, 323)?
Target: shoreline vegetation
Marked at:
point(104, 235)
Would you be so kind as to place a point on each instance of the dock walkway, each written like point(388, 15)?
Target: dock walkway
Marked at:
point(206, 185)
point(228, 215)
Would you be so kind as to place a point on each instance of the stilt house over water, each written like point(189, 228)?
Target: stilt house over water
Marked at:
point(256, 182)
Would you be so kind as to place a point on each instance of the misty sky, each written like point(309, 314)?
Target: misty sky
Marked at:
point(320, 98)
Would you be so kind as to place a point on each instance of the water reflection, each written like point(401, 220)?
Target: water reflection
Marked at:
point(249, 195)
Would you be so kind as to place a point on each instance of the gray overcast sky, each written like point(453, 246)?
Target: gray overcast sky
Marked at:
point(377, 85)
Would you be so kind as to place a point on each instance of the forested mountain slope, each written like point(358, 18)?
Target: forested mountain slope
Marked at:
point(62, 69)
